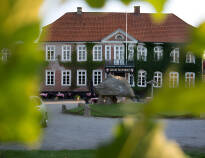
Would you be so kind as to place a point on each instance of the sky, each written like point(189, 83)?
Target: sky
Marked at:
point(191, 11)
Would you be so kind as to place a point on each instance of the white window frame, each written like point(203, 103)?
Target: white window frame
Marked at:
point(52, 56)
point(175, 55)
point(190, 58)
point(158, 79)
point(4, 54)
point(81, 70)
point(131, 52)
point(66, 53)
point(108, 50)
point(129, 77)
point(142, 75)
point(97, 53)
point(67, 77)
point(98, 78)
point(141, 53)
point(119, 54)
point(158, 53)
point(189, 82)
point(47, 75)
point(173, 82)
point(80, 55)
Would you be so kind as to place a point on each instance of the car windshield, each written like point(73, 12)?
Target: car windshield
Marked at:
point(36, 101)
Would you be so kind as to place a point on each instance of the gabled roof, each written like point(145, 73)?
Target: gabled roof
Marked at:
point(94, 26)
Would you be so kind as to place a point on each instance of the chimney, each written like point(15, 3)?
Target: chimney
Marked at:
point(79, 10)
point(137, 10)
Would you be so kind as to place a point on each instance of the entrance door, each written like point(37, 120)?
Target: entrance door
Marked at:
point(119, 55)
point(121, 74)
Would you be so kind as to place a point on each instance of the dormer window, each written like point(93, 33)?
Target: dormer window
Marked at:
point(190, 58)
point(158, 53)
point(119, 37)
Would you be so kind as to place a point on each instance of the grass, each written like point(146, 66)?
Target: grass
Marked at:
point(64, 154)
point(48, 154)
point(108, 110)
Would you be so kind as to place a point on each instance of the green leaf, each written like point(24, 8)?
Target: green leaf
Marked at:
point(126, 2)
point(96, 3)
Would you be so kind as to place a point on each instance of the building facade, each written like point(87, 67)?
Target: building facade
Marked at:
point(82, 48)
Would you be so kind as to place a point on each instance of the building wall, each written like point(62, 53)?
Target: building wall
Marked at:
point(149, 64)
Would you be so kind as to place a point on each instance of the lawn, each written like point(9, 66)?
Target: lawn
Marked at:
point(108, 110)
point(63, 154)
point(48, 154)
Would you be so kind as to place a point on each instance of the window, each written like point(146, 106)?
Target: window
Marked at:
point(141, 53)
point(66, 77)
point(66, 53)
point(81, 77)
point(189, 79)
point(81, 53)
point(4, 54)
point(50, 78)
point(97, 53)
point(131, 79)
point(50, 52)
point(119, 55)
point(174, 55)
point(142, 75)
point(97, 77)
point(107, 52)
point(157, 80)
point(158, 53)
point(173, 79)
point(131, 52)
point(119, 37)
point(190, 58)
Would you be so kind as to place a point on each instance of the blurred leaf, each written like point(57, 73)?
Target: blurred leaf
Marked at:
point(157, 4)
point(178, 101)
point(19, 119)
point(96, 3)
point(197, 43)
point(126, 2)
point(141, 139)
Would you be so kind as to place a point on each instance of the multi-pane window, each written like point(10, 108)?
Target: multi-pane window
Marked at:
point(97, 77)
point(50, 52)
point(119, 55)
point(158, 53)
point(173, 79)
point(97, 53)
point(157, 79)
point(174, 55)
point(66, 77)
point(189, 79)
point(130, 52)
point(50, 77)
point(107, 52)
point(66, 53)
point(131, 79)
point(190, 58)
point(81, 77)
point(4, 54)
point(81, 53)
point(142, 77)
point(141, 53)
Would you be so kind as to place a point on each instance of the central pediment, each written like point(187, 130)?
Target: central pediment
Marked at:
point(118, 36)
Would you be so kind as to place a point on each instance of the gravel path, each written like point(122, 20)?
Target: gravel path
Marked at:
point(77, 132)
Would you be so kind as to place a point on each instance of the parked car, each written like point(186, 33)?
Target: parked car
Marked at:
point(42, 108)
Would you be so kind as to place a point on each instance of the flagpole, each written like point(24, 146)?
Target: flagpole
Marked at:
point(126, 38)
